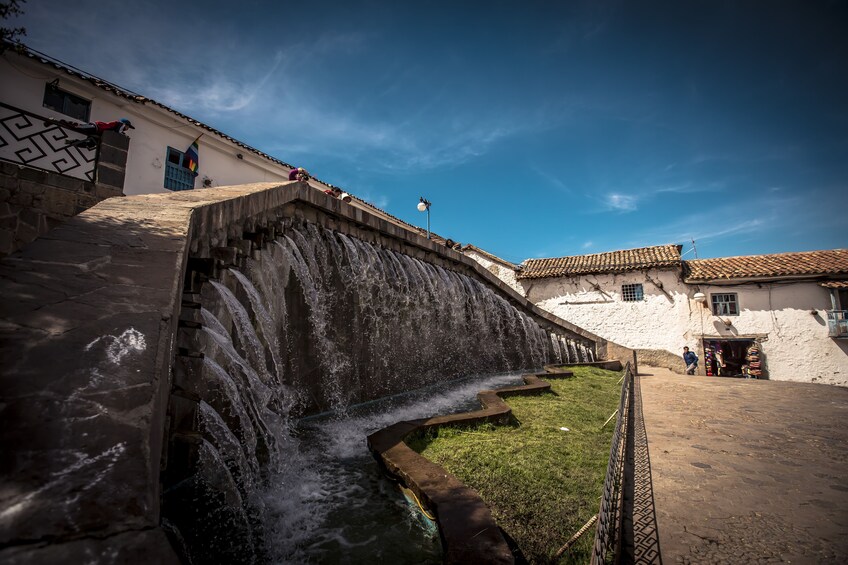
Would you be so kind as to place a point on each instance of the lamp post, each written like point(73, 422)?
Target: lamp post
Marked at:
point(424, 205)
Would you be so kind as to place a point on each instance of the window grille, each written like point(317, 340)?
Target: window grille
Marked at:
point(177, 176)
point(69, 104)
point(725, 304)
point(632, 292)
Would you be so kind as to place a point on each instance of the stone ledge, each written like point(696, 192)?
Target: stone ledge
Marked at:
point(469, 533)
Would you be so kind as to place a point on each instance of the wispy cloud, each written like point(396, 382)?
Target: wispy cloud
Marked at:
point(219, 92)
point(722, 222)
point(620, 202)
point(587, 245)
point(554, 181)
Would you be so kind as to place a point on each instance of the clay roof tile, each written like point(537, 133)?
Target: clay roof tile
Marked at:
point(656, 257)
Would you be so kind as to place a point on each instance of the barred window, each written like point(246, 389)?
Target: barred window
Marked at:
point(725, 304)
point(69, 104)
point(632, 292)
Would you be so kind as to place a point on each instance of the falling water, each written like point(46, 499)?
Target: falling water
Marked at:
point(320, 322)
point(564, 347)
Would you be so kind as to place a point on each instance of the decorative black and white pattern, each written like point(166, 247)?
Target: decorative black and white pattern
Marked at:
point(29, 139)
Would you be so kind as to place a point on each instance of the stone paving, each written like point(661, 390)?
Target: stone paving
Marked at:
point(747, 471)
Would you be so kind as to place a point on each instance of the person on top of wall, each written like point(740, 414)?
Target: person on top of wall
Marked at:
point(90, 129)
point(691, 361)
point(299, 173)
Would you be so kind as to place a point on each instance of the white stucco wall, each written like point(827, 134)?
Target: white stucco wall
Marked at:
point(794, 341)
point(506, 274)
point(22, 83)
point(656, 322)
point(797, 347)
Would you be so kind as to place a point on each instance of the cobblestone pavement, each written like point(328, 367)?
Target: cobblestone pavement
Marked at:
point(747, 471)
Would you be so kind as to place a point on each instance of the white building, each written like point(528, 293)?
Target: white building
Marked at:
point(790, 306)
point(36, 83)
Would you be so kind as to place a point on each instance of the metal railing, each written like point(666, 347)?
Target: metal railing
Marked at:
point(837, 323)
point(608, 537)
point(29, 139)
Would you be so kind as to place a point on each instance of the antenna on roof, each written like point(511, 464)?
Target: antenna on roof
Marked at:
point(695, 249)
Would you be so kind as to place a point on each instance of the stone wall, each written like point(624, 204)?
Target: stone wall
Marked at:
point(34, 201)
point(88, 326)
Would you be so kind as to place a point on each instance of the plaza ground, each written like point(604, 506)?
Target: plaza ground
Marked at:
point(743, 471)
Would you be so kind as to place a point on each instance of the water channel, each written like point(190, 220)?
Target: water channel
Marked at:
point(336, 506)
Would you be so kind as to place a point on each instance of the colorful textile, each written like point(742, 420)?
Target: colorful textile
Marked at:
point(192, 160)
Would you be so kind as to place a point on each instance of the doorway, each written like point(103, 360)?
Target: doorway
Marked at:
point(734, 358)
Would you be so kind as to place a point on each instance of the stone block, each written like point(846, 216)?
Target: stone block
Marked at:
point(112, 155)
point(103, 191)
point(66, 182)
point(30, 187)
point(184, 413)
point(84, 202)
point(30, 217)
point(8, 183)
point(7, 168)
point(9, 223)
point(227, 255)
point(34, 175)
point(25, 234)
point(7, 242)
point(109, 175)
point(21, 199)
point(58, 202)
point(114, 139)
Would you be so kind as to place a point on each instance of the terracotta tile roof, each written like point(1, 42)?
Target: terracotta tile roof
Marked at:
point(835, 284)
point(657, 257)
point(811, 263)
point(490, 256)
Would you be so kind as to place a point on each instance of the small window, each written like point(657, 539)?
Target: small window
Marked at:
point(177, 176)
point(632, 292)
point(69, 104)
point(725, 304)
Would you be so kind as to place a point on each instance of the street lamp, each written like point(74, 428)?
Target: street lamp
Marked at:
point(423, 205)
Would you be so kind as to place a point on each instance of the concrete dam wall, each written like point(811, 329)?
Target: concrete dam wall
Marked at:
point(156, 348)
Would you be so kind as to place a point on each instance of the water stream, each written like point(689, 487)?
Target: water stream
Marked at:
point(337, 507)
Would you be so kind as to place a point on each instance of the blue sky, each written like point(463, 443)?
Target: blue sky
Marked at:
point(536, 129)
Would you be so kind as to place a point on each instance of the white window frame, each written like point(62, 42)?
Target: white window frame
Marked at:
point(723, 302)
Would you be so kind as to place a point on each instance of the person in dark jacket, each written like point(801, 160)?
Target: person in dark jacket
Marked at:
point(691, 361)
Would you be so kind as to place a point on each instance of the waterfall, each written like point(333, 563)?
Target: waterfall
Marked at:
point(564, 347)
point(317, 322)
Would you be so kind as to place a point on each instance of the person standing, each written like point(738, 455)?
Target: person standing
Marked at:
point(691, 361)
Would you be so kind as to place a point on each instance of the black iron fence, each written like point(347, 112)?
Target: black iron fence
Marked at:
point(35, 141)
point(608, 535)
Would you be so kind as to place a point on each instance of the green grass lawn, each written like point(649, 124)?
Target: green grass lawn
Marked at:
point(542, 483)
